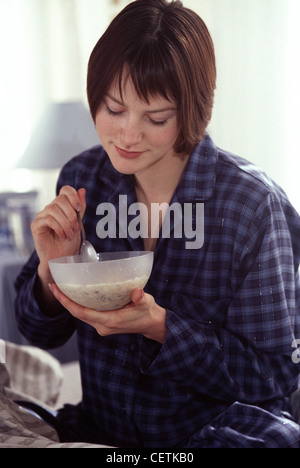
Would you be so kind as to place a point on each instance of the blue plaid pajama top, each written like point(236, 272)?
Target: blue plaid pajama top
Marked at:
point(233, 309)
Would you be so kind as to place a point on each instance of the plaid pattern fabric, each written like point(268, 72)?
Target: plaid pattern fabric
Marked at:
point(233, 308)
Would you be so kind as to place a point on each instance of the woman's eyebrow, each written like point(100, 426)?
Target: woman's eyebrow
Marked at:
point(148, 112)
point(114, 99)
point(162, 110)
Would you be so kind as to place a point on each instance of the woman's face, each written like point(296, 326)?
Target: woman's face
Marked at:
point(137, 136)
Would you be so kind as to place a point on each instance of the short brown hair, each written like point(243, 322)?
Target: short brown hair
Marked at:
point(168, 51)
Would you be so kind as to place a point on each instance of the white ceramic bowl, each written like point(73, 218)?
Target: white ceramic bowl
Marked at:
point(106, 284)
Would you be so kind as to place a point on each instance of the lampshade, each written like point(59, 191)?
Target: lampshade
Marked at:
point(64, 130)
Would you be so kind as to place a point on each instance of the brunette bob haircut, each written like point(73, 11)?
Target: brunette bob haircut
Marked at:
point(167, 50)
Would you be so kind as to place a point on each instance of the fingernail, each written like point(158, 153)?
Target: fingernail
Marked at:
point(78, 207)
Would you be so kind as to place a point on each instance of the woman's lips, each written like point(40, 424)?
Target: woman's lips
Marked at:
point(128, 154)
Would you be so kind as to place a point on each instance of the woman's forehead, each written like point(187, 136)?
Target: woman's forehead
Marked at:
point(124, 87)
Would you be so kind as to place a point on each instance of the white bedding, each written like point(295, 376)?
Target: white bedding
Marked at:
point(33, 375)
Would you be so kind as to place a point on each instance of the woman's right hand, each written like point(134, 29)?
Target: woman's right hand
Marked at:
point(55, 229)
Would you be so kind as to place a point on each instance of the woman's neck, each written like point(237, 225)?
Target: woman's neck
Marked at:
point(157, 187)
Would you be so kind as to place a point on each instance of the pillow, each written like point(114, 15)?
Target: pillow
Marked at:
point(34, 374)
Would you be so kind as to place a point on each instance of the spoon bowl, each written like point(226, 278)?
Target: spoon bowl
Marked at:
point(87, 251)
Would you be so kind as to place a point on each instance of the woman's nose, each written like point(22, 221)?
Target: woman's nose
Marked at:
point(131, 134)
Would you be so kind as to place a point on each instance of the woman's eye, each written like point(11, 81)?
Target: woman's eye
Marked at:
point(158, 123)
point(111, 112)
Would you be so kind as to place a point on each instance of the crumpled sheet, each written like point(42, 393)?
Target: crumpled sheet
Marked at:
point(19, 429)
point(33, 375)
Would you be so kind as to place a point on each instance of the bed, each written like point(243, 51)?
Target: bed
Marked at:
point(32, 374)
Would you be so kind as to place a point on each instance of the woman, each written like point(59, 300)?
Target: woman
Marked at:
point(202, 357)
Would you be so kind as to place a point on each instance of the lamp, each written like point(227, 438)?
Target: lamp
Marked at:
point(64, 130)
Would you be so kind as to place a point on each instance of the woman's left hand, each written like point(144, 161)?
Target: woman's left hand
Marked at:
point(142, 316)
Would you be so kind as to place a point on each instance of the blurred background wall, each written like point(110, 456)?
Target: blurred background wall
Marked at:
point(44, 50)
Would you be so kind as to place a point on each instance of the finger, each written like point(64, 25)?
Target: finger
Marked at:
point(73, 197)
point(75, 201)
point(42, 224)
point(137, 295)
point(67, 207)
point(64, 215)
point(82, 194)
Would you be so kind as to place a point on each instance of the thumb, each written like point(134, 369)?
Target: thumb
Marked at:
point(137, 295)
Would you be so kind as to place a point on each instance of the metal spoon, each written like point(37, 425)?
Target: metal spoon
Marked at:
point(87, 251)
